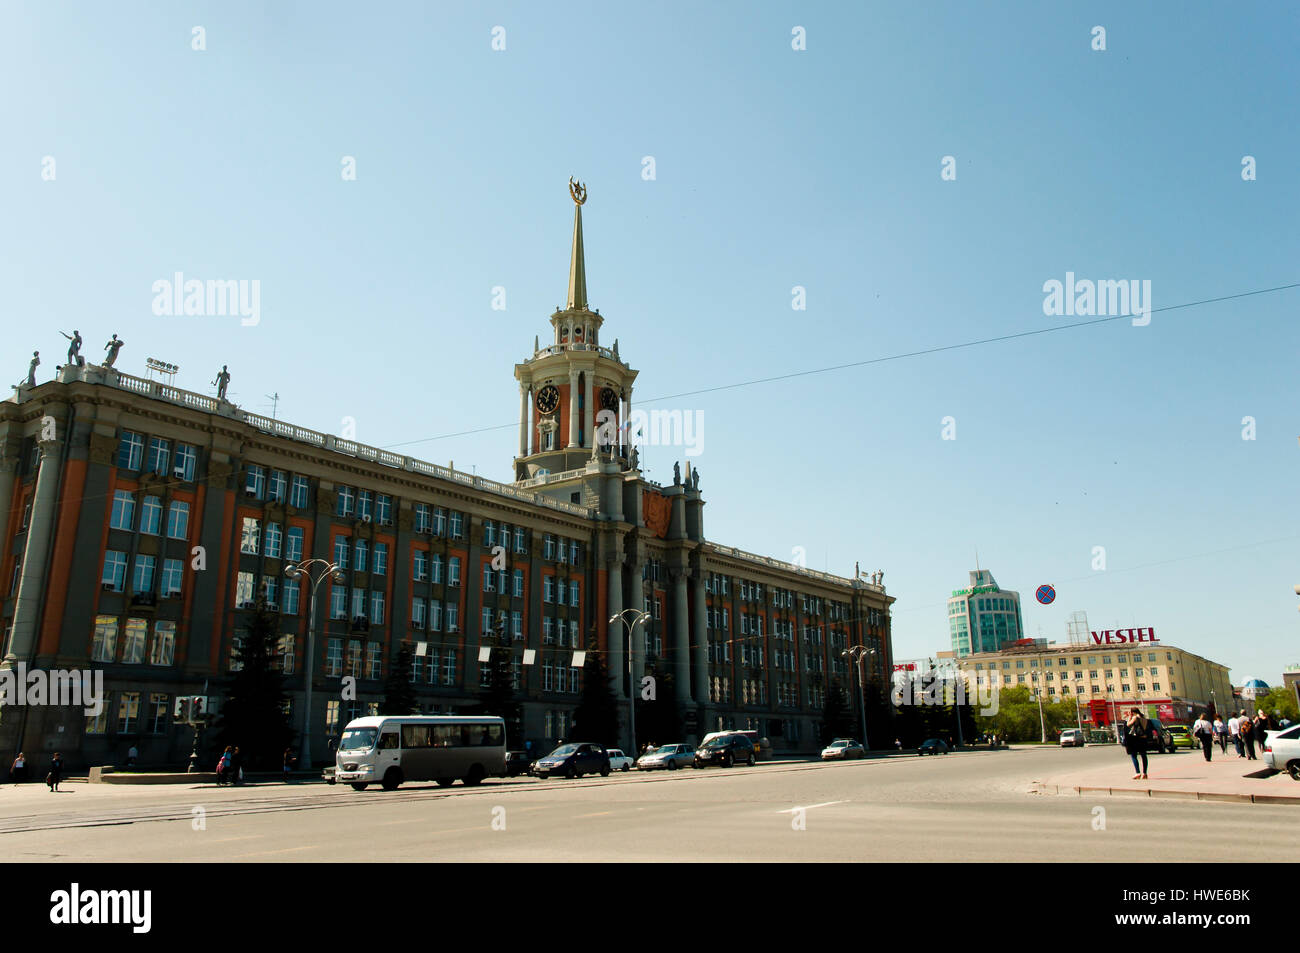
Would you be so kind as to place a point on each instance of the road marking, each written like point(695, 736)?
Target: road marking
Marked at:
point(597, 814)
point(286, 850)
point(223, 840)
point(791, 810)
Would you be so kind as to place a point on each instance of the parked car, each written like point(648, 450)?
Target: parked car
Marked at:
point(1182, 737)
point(517, 763)
point(573, 761)
point(618, 761)
point(725, 750)
point(670, 757)
point(933, 746)
point(762, 747)
point(841, 749)
point(1282, 751)
point(1161, 740)
point(1073, 738)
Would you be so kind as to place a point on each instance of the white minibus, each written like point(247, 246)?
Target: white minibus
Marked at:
point(390, 749)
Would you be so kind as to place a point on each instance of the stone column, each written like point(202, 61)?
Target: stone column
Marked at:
point(31, 584)
point(681, 639)
point(617, 630)
point(590, 415)
point(573, 408)
point(700, 654)
point(523, 419)
point(9, 455)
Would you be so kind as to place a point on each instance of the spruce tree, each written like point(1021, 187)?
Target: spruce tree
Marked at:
point(399, 695)
point(253, 716)
point(498, 698)
point(837, 717)
point(596, 717)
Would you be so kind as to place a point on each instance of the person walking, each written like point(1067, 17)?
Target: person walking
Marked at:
point(1234, 731)
point(56, 772)
point(1221, 734)
point(1203, 732)
point(18, 770)
point(1247, 730)
point(223, 766)
point(1135, 742)
point(288, 763)
point(236, 765)
point(1262, 727)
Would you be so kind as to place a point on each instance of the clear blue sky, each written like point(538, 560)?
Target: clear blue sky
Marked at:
point(775, 168)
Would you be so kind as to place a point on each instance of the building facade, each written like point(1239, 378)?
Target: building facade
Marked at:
point(983, 617)
point(141, 522)
point(1108, 679)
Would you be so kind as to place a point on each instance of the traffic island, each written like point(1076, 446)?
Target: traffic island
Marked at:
point(1184, 776)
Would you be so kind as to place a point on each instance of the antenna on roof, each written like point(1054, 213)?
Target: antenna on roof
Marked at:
point(275, 402)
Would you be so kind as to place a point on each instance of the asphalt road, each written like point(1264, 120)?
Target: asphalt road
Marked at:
point(967, 806)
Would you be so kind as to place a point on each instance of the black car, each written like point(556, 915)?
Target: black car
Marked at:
point(1159, 739)
point(573, 761)
point(517, 763)
point(933, 746)
point(725, 750)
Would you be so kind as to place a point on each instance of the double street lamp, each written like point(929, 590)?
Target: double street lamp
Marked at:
point(858, 653)
point(638, 617)
point(314, 571)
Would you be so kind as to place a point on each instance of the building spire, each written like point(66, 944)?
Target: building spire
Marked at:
point(577, 300)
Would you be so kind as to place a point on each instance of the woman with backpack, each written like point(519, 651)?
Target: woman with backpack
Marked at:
point(1135, 742)
point(223, 766)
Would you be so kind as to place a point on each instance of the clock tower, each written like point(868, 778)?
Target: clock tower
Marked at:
point(574, 395)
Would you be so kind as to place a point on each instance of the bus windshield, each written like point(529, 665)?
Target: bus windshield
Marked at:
point(358, 739)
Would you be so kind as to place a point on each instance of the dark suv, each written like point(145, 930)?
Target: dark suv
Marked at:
point(725, 750)
point(573, 761)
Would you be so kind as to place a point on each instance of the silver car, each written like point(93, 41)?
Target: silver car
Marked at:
point(1282, 750)
point(670, 757)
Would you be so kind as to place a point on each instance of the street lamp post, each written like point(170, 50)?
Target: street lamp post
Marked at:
point(637, 617)
point(322, 569)
point(858, 653)
point(1038, 690)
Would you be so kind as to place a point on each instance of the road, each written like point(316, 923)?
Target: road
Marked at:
point(965, 806)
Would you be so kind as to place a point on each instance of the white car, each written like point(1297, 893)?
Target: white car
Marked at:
point(1073, 738)
point(670, 757)
point(618, 761)
point(1282, 750)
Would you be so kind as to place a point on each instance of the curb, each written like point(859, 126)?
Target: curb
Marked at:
point(1039, 787)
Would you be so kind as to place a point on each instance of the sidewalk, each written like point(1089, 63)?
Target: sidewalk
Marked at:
point(1185, 775)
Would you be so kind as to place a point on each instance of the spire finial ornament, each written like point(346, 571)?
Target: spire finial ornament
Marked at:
point(578, 191)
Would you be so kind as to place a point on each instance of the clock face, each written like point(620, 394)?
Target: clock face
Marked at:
point(608, 399)
point(548, 399)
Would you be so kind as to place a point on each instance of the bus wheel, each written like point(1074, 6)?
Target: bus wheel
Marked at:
point(475, 775)
point(392, 778)
point(359, 785)
point(445, 782)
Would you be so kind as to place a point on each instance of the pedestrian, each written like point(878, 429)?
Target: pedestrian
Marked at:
point(1221, 734)
point(288, 763)
point(223, 766)
point(56, 772)
point(1234, 731)
point(1135, 742)
point(131, 754)
point(1262, 727)
point(1247, 730)
point(899, 745)
point(1203, 732)
point(18, 770)
point(236, 766)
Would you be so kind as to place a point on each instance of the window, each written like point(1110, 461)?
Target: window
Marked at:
point(128, 713)
point(519, 583)
point(142, 577)
point(164, 643)
point(285, 653)
point(151, 515)
point(334, 659)
point(487, 621)
point(362, 552)
point(133, 641)
point(417, 613)
point(377, 607)
point(341, 551)
point(298, 493)
point(517, 625)
point(271, 591)
point(453, 571)
point(452, 611)
point(548, 588)
point(365, 508)
point(423, 520)
point(436, 569)
point(244, 590)
point(171, 577)
point(573, 593)
point(457, 525)
point(439, 521)
point(420, 565)
point(548, 549)
point(345, 501)
point(255, 482)
point(292, 593)
point(374, 660)
point(123, 513)
point(130, 450)
point(449, 668)
point(114, 576)
point(104, 646)
point(277, 487)
point(519, 540)
point(274, 540)
point(381, 559)
point(157, 713)
point(435, 617)
point(178, 519)
point(184, 462)
point(250, 536)
point(293, 552)
point(489, 578)
point(489, 533)
point(332, 716)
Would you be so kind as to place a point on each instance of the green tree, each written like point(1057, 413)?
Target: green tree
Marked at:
point(399, 695)
point(499, 697)
point(837, 717)
point(1281, 700)
point(596, 717)
point(254, 716)
point(657, 719)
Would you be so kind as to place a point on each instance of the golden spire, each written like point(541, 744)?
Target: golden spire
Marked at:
point(577, 300)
